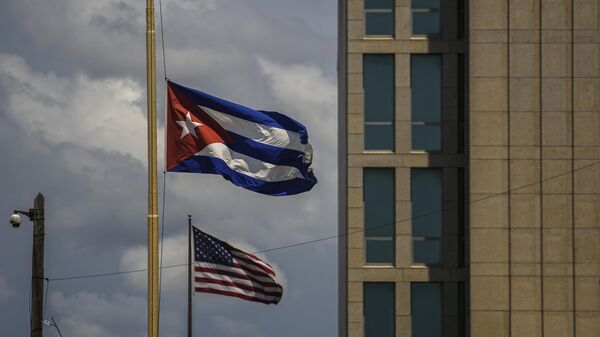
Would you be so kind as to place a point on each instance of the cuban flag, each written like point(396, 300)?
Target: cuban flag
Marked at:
point(263, 151)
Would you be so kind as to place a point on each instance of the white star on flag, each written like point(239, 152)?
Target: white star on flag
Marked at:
point(188, 126)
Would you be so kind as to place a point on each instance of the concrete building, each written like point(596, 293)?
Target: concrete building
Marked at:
point(469, 163)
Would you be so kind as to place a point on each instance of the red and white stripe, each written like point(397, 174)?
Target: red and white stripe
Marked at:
point(249, 278)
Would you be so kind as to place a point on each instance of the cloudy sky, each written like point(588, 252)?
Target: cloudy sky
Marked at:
point(72, 125)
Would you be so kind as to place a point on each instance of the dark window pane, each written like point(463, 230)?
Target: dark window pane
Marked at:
point(426, 102)
point(426, 137)
point(426, 195)
point(379, 313)
point(379, 4)
point(379, 201)
point(378, 23)
point(426, 88)
point(378, 77)
point(426, 251)
point(426, 302)
point(379, 137)
point(378, 84)
point(380, 251)
point(426, 23)
point(425, 3)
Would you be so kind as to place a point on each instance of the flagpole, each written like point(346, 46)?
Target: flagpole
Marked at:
point(189, 318)
point(152, 179)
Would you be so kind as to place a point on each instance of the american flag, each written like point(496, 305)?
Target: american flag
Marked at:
point(220, 268)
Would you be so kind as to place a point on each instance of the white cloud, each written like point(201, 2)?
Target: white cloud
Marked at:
point(230, 327)
point(88, 314)
point(104, 114)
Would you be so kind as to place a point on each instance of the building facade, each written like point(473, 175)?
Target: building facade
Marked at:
point(469, 165)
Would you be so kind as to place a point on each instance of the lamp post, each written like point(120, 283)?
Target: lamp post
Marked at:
point(52, 323)
point(36, 215)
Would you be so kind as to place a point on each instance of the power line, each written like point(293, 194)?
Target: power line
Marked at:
point(303, 243)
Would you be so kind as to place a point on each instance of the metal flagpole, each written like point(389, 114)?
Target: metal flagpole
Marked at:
point(190, 244)
point(152, 179)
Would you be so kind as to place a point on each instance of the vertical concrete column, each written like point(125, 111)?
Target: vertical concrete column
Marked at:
point(586, 151)
point(489, 249)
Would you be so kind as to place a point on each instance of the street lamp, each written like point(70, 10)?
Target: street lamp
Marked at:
point(36, 215)
point(52, 323)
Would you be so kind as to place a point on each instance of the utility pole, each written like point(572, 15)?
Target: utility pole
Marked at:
point(35, 214)
point(37, 267)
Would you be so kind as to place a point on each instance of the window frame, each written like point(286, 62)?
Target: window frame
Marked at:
point(391, 10)
point(391, 122)
point(441, 306)
point(439, 238)
point(413, 10)
point(439, 123)
point(392, 285)
point(392, 236)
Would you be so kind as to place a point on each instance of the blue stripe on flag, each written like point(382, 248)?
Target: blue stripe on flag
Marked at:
point(268, 153)
point(269, 118)
point(217, 166)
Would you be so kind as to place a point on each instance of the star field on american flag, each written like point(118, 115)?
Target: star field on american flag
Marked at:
point(211, 250)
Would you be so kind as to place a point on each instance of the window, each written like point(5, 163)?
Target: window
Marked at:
point(426, 18)
point(378, 309)
point(379, 17)
point(378, 85)
point(426, 197)
point(426, 102)
point(426, 309)
point(379, 202)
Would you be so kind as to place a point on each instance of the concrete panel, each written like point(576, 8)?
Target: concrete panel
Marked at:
point(556, 94)
point(489, 293)
point(525, 211)
point(488, 14)
point(524, 176)
point(525, 245)
point(587, 245)
point(488, 60)
point(489, 324)
point(489, 176)
point(524, 14)
point(556, 14)
point(587, 294)
point(524, 94)
point(587, 323)
point(526, 324)
point(488, 211)
point(526, 293)
point(587, 211)
point(558, 324)
point(558, 293)
point(587, 62)
point(525, 128)
point(586, 94)
point(488, 94)
point(489, 128)
point(587, 125)
point(524, 58)
point(557, 211)
point(557, 245)
point(556, 60)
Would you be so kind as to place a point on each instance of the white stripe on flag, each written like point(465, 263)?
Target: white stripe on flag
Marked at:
point(249, 166)
point(235, 290)
point(234, 270)
point(226, 278)
point(254, 260)
point(260, 133)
